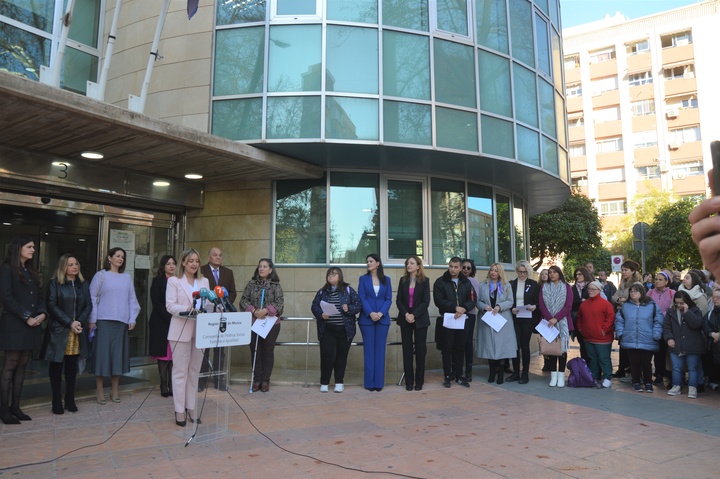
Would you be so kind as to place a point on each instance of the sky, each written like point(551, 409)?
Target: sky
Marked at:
point(577, 12)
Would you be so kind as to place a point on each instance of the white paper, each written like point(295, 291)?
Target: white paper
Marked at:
point(495, 321)
point(329, 308)
point(546, 331)
point(450, 322)
point(524, 312)
point(142, 261)
point(262, 327)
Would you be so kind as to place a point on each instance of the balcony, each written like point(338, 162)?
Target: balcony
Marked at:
point(608, 128)
point(572, 75)
point(690, 185)
point(642, 92)
point(576, 133)
point(610, 191)
point(645, 186)
point(578, 163)
point(612, 222)
point(643, 123)
point(646, 156)
point(678, 54)
point(606, 98)
point(603, 69)
point(684, 151)
point(684, 117)
point(681, 86)
point(610, 159)
point(639, 63)
point(574, 104)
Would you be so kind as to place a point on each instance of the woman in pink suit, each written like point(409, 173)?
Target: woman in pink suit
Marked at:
point(187, 359)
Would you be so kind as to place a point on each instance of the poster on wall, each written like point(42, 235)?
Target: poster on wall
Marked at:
point(125, 240)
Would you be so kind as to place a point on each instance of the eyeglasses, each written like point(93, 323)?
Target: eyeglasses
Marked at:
point(593, 289)
point(469, 268)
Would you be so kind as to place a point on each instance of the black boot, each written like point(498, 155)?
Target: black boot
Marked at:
point(493, 370)
point(6, 417)
point(468, 372)
point(524, 378)
point(516, 369)
point(71, 370)
point(54, 374)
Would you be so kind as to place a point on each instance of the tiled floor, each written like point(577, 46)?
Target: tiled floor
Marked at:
point(486, 431)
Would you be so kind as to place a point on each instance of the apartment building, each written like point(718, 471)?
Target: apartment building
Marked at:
point(642, 104)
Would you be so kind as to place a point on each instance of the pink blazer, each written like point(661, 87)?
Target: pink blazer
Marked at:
point(178, 299)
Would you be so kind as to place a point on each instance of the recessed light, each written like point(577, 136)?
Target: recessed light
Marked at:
point(7, 224)
point(161, 183)
point(82, 240)
point(60, 163)
point(92, 155)
point(194, 176)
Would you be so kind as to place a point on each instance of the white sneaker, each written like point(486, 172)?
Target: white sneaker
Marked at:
point(339, 388)
point(561, 379)
point(323, 388)
point(674, 391)
point(606, 383)
point(553, 379)
point(692, 392)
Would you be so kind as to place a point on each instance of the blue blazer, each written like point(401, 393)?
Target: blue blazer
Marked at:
point(372, 302)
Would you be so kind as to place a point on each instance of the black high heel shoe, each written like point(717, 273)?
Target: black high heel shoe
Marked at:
point(182, 423)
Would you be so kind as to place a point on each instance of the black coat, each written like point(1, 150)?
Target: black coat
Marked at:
point(159, 322)
point(65, 303)
point(20, 301)
point(713, 322)
point(689, 335)
point(421, 303)
point(530, 297)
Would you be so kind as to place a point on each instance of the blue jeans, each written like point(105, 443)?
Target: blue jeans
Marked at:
point(693, 365)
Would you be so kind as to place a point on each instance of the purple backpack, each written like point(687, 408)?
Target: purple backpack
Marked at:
point(580, 375)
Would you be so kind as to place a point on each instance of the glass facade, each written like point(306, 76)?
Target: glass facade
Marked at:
point(476, 79)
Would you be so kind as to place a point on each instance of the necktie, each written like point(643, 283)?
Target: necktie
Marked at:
point(217, 276)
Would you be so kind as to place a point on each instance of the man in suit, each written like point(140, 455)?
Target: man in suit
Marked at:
point(217, 275)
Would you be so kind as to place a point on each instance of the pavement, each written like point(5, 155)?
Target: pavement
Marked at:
point(294, 431)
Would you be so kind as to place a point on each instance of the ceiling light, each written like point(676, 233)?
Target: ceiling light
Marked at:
point(194, 176)
point(7, 224)
point(92, 155)
point(60, 163)
point(161, 183)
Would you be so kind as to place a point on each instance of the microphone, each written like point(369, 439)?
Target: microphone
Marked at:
point(220, 294)
point(204, 295)
point(226, 301)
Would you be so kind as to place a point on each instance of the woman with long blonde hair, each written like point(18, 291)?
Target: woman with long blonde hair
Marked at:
point(496, 297)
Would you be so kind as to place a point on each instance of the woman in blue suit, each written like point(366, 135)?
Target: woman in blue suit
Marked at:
point(375, 291)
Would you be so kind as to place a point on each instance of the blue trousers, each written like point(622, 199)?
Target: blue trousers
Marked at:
point(693, 366)
point(374, 344)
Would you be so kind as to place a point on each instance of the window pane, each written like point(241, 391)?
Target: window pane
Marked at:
point(293, 117)
point(497, 137)
point(354, 217)
point(458, 88)
point(521, 29)
point(503, 229)
point(563, 165)
point(229, 13)
point(560, 117)
point(21, 52)
point(407, 123)
point(300, 221)
point(526, 108)
point(480, 225)
point(351, 118)
point(85, 23)
point(547, 108)
point(456, 129)
point(35, 14)
point(411, 14)
point(406, 65)
point(238, 119)
point(296, 7)
point(519, 230)
point(352, 59)
point(543, 4)
point(405, 214)
point(239, 61)
point(294, 58)
point(452, 16)
point(78, 68)
point(550, 155)
point(362, 11)
point(494, 74)
point(528, 146)
point(448, 220)
point(492, 24)
point(541, 43)
point(557, 59)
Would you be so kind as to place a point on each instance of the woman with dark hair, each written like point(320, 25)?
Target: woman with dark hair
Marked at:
point(629, 274)
point(69, 306)
point(525, 293)
point(263, 297)
point(693, 286)
point(582, 279)
point(638, 328)
point(555, 303)
point(413, 300)
point(23, 313)
point(335, 331)
point(115, 309)
point(663, 297)
point(684, 331)
point(468, 269)
point(375, 291)
point(159, 324)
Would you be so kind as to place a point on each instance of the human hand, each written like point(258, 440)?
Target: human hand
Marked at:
point(410, 318)
point(131, 326)
point(671, 343)
point(92, 326)
point(704, 229)
point(325, 316)
point(515, 311)
point(531, 307)
point(345, 308)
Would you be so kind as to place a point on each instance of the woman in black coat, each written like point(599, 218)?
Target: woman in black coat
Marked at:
point(23, 313)
point(528, 295)
point(69, 307)
point(413, 299)
point(160, 324)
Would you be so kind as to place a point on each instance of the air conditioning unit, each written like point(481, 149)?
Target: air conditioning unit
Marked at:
point(678, 176)
point(582, 183)
point(671, 113)
point(673, 146)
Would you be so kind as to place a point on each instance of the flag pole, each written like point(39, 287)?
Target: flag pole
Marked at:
point(97, 90)
point(51, 75)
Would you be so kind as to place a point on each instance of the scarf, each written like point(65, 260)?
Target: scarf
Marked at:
point(554, 296)
point(496, 287)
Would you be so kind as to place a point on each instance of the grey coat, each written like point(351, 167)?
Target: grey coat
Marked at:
point(492, 345)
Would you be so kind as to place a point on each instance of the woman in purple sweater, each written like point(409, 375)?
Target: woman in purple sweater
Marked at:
point(115, 308)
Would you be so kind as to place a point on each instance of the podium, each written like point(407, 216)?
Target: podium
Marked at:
point(212, 406)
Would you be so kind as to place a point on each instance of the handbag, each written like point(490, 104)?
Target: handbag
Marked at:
point(550, 349)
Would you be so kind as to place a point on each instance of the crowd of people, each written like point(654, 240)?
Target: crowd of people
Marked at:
point(667, 324)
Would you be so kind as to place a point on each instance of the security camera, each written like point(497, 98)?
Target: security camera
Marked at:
point(45, 200)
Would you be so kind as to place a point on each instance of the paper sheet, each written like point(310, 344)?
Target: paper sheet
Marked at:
point(495, 321)
point(262, 327)
point(450, 322)
point(329, 308)
point(546, 331)
point(524, 312)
